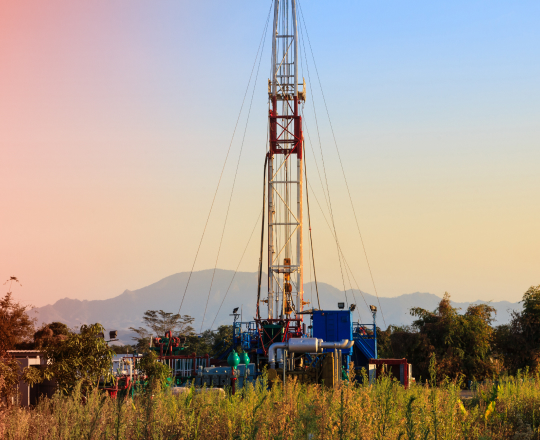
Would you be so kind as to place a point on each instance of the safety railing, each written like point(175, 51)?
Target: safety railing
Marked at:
point(186, 366)
point(364, 331)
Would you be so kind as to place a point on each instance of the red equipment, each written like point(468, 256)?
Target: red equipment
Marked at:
point(398, 368)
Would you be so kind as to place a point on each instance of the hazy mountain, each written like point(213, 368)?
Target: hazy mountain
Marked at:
point(124, 311)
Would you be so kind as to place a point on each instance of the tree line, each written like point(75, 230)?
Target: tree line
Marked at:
point(80, 358)
point(158, 322)
point(467, 344)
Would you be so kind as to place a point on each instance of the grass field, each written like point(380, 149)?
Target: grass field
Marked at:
point(509, 409)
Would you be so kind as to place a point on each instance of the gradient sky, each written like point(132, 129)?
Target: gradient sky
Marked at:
point(116, 116)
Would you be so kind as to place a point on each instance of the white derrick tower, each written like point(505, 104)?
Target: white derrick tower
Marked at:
point(285, 252)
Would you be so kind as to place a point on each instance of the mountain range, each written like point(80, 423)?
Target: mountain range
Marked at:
point(126, 310)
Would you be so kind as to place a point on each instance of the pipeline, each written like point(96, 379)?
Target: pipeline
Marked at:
point(305, 345)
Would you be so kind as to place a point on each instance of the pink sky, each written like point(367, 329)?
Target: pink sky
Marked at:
point(115, 117)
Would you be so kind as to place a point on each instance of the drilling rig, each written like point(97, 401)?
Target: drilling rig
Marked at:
point(312, 345)
point(284, 172)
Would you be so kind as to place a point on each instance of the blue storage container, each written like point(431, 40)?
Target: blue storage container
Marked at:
point(333, 326)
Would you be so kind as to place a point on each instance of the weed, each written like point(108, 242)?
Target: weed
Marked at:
point(507, 409)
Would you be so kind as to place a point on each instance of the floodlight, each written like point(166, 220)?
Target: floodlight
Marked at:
point(341, 306)
point(352, 307)
point(235, 310)
point(373, 308)
point(113, 334)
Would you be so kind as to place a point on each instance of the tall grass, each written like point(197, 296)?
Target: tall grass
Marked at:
point(509, 409)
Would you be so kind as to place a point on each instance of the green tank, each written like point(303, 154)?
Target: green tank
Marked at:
point(233, 360)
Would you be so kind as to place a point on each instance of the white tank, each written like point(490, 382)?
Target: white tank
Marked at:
point(304, 345)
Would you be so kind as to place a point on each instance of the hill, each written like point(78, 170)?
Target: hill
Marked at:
point(124, 311)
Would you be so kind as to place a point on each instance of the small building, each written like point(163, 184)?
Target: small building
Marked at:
point(35, 359)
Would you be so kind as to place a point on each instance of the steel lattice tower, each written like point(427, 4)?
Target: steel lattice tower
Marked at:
point(285, 251)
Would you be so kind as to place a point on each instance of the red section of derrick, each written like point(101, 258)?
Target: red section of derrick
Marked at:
point(285, 125)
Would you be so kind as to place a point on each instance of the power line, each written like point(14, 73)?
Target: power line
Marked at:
point(234, 180)
point(310, 235)
point(326, 178)
point(225, 163)
point(237, 267)
point(341, 163)
point(342, 254)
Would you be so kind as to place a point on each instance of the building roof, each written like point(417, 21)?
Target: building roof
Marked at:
point(25, 353)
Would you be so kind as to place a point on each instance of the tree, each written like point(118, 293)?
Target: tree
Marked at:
point(122, 349)
point(9, 378)
point(518, 343)
point(212, 342)
point(156, 372)
point(50, 334)
point(81, 358)
point(16, 330)
point(406, 342)
point(160, 322)
point(462, 343)
point(16, 326)
point(200, 344)
point(531, 302)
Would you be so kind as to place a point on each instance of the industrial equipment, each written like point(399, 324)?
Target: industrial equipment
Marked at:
point(314, 346)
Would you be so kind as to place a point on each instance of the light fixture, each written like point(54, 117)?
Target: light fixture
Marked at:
point(341, 306)
point(352, 307)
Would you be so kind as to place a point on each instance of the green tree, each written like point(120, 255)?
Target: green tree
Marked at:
point(406, 342)
point(50, 334)
point(402, 341)
point(159, 323)
point(200, 344)
point(156, 372)
point(122, 349)
point(222, 339)
point(16, 326)
point(462, 343)
point(9, 378)
point(531, 302)
point(82, 358)
point(212, 342)
point(16, 330)
point(518, 343)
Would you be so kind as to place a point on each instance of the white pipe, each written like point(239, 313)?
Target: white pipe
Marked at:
point(304, 345)
point(345, 343)
point(272, 352)
point(279, 356)
point(284, 364)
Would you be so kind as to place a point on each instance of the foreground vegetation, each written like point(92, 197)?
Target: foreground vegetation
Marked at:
point(466, 345)
point(505, 410)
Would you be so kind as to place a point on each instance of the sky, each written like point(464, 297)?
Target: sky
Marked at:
point(116, 118)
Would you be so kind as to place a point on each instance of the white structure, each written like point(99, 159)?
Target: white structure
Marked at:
point(285, 251)
point(31, 358)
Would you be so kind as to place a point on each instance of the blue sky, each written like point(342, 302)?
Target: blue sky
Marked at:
point(116, 118)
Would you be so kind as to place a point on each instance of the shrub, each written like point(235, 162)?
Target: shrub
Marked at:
point(504, 410)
